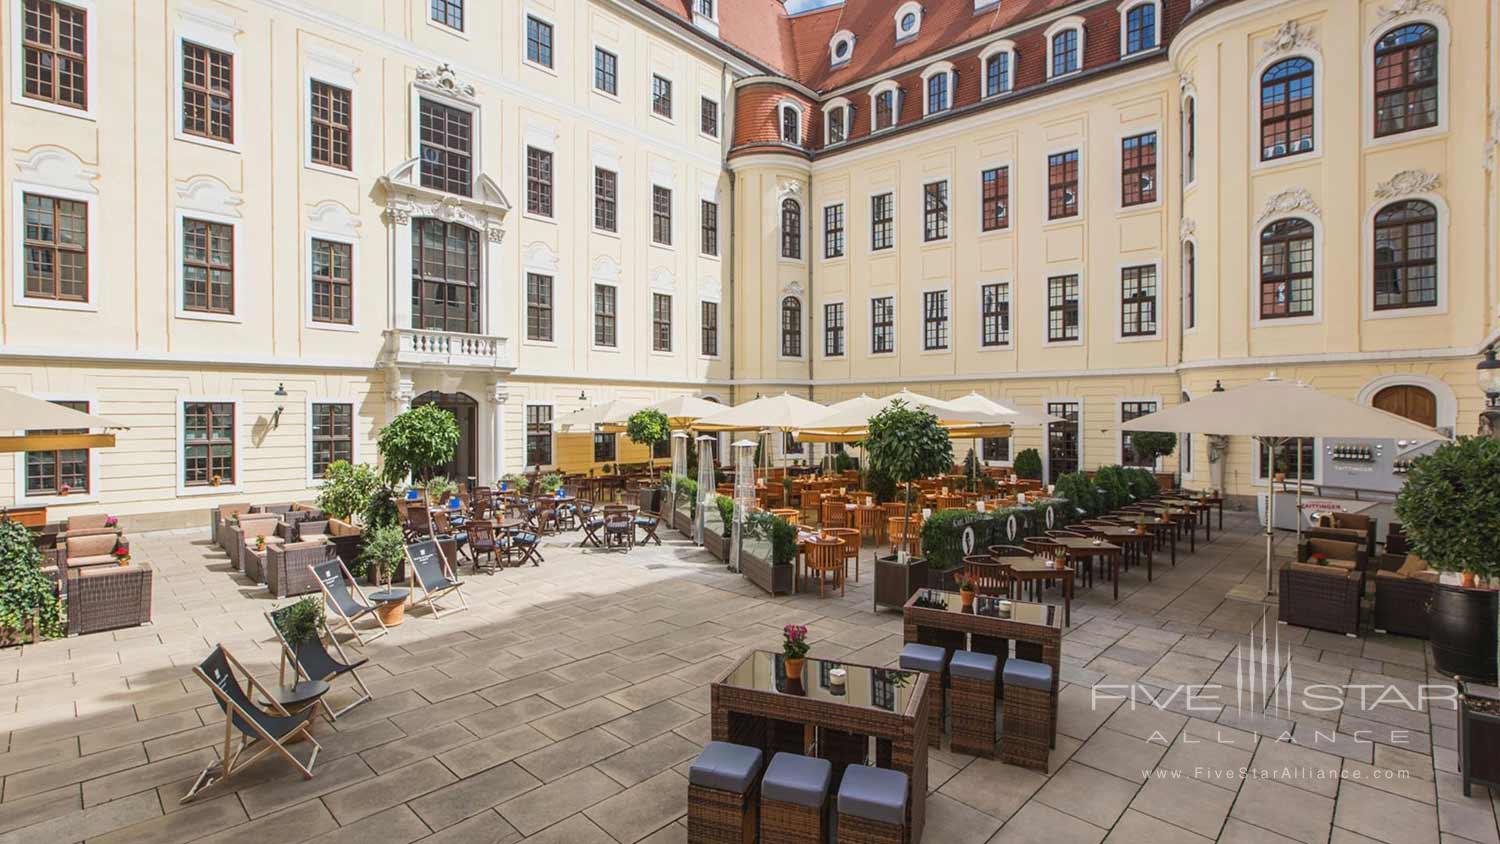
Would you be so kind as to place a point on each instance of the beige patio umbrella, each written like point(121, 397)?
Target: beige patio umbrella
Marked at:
point(20, 413)
point(785, 412)
point(1272, 412)
point(683, 411)
point(849, 420)
point(1020, 418)
point(587, 419)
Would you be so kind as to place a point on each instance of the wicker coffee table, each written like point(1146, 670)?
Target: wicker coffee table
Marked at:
point(757, 705)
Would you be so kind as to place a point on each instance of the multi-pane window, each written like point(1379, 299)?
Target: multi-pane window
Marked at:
point(1062, 185)
point(1406, 258)
point(833, 231)
point(332, 436)
point(885, 110)
point(605, 318)
point(1140, 28)
point(1406, 79)
point(1286, 269)
point(996, 449)
point(994, 192)
point(449, 13)
point(708, 117)
point(882, 325)
point(1138, 168)
point(791, 125)
point(1130, 410)
point(661, 96)
point(935, 210)
point(539, 307)
point(882, 221)
point(1189, 285)
point(1138, 301)
point(606, 200)
point(937, 93)
point(538, 435)
point(661, 215)
point(1065, 52)
point(791, 229)
point(604, 448)
point(833, 330)
point(662, 449)
point(606, 71)
point(837, 128)
point(997, 74)
point(791, 327)
point(207, 267)
point(447, 142)
point(1189, 140)
point(538, 41)
point(445, 276)
point(49, 472)
point(56, 248)
point(54, 53)
point(1286, 109)
point(331, 113)
point(935, 319)
point(1288, 460)
point(539, 181)
point(207, 443)
point(708, 221)
point(661, 322)
point(1064, 446)
point(994, 314)
point(207, 92)
point(710, 329)
point(332, 282)
point(1062, 308)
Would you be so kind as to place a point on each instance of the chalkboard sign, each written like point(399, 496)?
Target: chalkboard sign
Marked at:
point(426, 557)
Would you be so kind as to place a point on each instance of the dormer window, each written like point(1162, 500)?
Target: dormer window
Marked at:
point(1064, 47)
point(707, 8)
point(837, 121)
point(885, 105)
point(908, 20)
point(998, 63)
point(791, 124)
point(1138, 23)
point(840, 47)
point(706, 16)
point(939, 82)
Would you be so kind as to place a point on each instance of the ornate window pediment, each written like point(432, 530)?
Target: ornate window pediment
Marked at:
point(405, 197)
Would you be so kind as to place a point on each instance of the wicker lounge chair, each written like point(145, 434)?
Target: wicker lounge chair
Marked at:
point(1323, 597)
point(1401, 597)
point(108, 597)
point(289, 566)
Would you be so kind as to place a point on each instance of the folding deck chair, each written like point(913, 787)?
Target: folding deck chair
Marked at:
point(271, 732)
point(310, 660)
point(334, 579)
point(433, 575)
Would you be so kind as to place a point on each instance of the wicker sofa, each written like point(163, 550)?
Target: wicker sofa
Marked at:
point(287, 571)
point(108, 597)
point(244, 532)
point(1401, 595)
point(1346, 527)
point(1326, 595)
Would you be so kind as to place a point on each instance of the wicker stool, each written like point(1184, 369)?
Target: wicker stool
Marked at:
point(872, 806)
point(724, 794)
point(930, 660)
point(1027, 714)
point(794, 800)
point(971, 696)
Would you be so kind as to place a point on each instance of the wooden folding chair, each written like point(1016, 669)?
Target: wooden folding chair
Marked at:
point(271, 732)
point(649, 524)
point(483, 544)
point(433, 575)
point(310, 660)
point(335, 581)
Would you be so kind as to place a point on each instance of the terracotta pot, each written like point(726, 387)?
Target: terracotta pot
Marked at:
point(967, 595)
point(794, 669)
point(392, 615)
point(1469, 580)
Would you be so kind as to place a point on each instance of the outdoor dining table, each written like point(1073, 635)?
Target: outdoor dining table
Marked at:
point(804, 539)
point(756, 704)
point(1035, 569)
point(1160, 528)
point(1083, 548)
point(1035, 628)
point(1125, 537)
point(1196, 507)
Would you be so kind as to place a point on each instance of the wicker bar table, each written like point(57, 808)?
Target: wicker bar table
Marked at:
point(755, 704)
point(1035, 628)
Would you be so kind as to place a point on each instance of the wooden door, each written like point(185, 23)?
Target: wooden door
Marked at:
point(1415, 403)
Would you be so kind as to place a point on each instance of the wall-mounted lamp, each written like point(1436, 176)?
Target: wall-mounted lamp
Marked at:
point(1218, 386)
point(276, 417)
point(582, 396)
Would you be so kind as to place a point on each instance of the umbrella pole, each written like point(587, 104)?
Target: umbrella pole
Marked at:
point(1272, 444)
point(1299, 491)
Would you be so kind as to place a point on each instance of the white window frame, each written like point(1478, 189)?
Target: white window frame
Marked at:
point(895, 298)
point(805, 320)
point(476, 131)
point(718, 118)
point(354, 450)
point(1190, 327)
point(185, 491)
point(895, 90)
point(944, 180)
point(901, 12)
point(1256, 321)
point(1367, 69)
point(1125, 7)
point(217, 32)
point(824, 345)
point(823, 233)
point(535, 140)
point(719, 328)
point(19, 188)
point(1010, 298)
point(54, 500)
point(843, 36)
point(651, 76)
point(179, 286)
point(1152, 260)
point(1003, 48)
point(1048, 273)
point(17, 60)
point(529, 11)
point(1045, 449)
point(613, 50)
point(551, 432)
point(1060, 25)
point(443, 27)
point(805, 226)
point(781, 109)
point(848, 120)
point(544, 263)
point(352, 241)
point(1319, 111)
point(338, 72)
point(927, 74)
point(1367, 259)
point(1131, 132)
point(651, 215)
point(594, 313)
point(869, 239)
point(1120, 421)
point(675, 323)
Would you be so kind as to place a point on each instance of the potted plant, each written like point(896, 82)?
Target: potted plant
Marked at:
point(971, 471)
point(768, 548)
point(903, 445)
point(260, 542)
point(1450, 510)
point(384, 550)
point(794, 649)
point(719, 527)
point(300, 622)
point(121, 555)
point(29, 607)
point(1028, 464)
point(965, 590)
point(648, 427)
point(440, 489)
point(216, 480)
point(64, 490)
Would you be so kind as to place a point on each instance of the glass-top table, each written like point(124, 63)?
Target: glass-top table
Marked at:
point(885, 689)
point(1020, 612)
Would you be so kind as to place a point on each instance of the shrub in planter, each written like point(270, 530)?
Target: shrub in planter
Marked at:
point(648, 427)
point(439, 489)
point(1081, 492)
point(1028, 464)
point(725, 505)
point(1113, 486)
point(27, 596)
point(385, 549)
point(347, 489)
point(301, 621)
point(549, 483)
point(942, 537)
point(780, 532)
point(1142, 482)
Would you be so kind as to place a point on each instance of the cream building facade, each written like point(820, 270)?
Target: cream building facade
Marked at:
point(298, 219)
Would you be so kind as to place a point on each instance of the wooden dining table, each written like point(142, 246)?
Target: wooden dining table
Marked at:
point(1198, 507)
point(1161, 528)
point(1083, 548)
point(1126, 537)
point(1036, 570)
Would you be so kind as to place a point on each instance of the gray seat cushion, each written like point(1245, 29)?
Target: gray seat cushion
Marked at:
point(1027, 674)
point(875, 794)
point(974, 666)
point(725, 767)
point(792, 778)
point(918, 657)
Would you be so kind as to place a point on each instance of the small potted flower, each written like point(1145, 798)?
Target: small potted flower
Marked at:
point(794, 649)
point(260, 543)
point(216, 480)
point(121, 555)
point(965, 590)
point(111, 521)
point(1318, 558)
point(64, 489)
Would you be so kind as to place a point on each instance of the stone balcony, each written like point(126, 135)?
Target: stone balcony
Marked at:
point(415, 347)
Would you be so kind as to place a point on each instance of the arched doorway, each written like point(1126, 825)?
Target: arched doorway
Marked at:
point(465, 411)
point(1415, 403)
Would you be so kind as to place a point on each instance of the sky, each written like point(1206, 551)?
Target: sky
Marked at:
point(795, 6)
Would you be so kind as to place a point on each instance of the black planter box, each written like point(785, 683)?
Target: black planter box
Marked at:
point(1478, 741)
point(774, 579)
point(895, 583)
point(1461, 624)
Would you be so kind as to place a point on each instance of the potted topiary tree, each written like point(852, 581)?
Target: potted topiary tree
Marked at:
point(1450, 510)
point(416, 444)
point(904, 444)
point(383, 553)
point(649, 427)
point(1028, 464)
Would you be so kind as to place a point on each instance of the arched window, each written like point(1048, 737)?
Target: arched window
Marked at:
point(791, 229)
point(1189, 139)
point(1406, 79)
point(1286, 269)
point(884, 107)
point(940, 81)
point(1189, 284)
point(791, 327)
point(1406, 255)
point(1286, 109)
point(1065, 52)
point(836, 122)
point(445, 276)
point(1140, 28)
point(997, 73)
point(791, 124)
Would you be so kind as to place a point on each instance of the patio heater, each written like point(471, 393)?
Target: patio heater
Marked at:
point(744, 495)
point(706, 491)
point(679, 460)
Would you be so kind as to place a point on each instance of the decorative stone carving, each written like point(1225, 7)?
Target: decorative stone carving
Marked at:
point(793, 288)
point(405, 197)
point(1292, 35)
point(539, 256)
point(445, 80)
point(1186, 228)
point(1407, 8)
point(606, 269)
point(332, 216)
point(710, 289)
point(1184, 81)
point(499, 392)
point(57, 167)
point(1406, 183)
point(790, 187)
point(662, 281)
point(1291, 199)
point(402, 390)
point(207, 193)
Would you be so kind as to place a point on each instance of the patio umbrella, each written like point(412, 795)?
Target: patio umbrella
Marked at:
point(1272, 412)
point(785, 412)
point(849, 420)
point(683, 411)
point(1020, 418)
point(586, 419)
point(20, 413)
